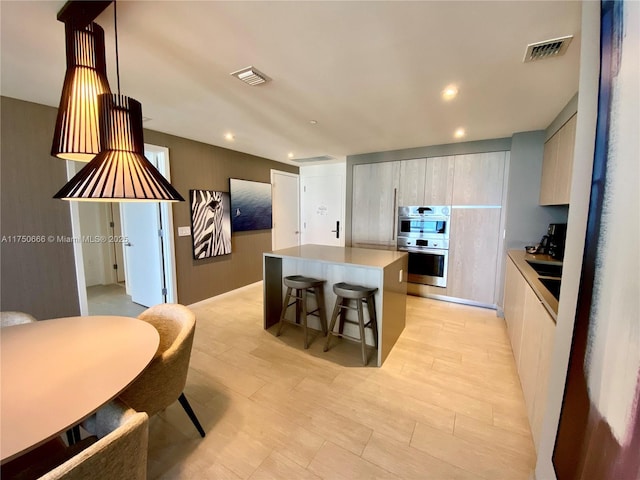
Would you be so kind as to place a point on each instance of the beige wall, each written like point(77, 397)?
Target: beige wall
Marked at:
point(37, 278)
point(40, 278)
point(196, 165)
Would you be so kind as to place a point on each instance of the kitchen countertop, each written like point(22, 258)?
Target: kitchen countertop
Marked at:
point(519, 258)
point(364, 257)
point(384, 270)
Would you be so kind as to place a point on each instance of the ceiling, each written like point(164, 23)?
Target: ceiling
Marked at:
point(369, 73)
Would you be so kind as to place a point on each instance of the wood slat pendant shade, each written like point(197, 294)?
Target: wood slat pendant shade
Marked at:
point(77, 133)
point(120, 172)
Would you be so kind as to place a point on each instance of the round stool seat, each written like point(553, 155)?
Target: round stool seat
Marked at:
point(300, 281)
point(347, 290)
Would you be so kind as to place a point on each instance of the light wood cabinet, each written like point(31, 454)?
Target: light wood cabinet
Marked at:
point(426, 181)
point(547, 338)
point(530, 349)
point(412, 182)
point(514, 288)
point(473, 253)
point(532, 333)
point(557, 165)
point(478, 179)
point(375, 204)
point(438, 188)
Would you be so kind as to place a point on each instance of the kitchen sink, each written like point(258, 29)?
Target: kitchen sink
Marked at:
point(546, 269)
point(553, 285)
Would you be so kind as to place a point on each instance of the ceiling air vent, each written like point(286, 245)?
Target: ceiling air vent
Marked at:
point(321, 158)
point(547, 49)
point(251, 75)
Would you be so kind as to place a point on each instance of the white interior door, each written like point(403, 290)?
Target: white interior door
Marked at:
point(285, 192)
point(143, 252)
point(323, 206)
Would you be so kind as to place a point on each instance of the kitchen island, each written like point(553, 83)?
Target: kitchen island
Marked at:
point(386, 270)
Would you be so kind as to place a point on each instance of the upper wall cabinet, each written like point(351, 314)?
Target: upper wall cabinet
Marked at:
point(557, 165)
point(375, 204)
point(478, 179)
point(439, 181)
point(412, 184)
point(426, 181)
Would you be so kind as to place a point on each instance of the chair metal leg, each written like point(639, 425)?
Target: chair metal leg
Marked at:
point(73, 435)
point(187, 408)
point(319, 291)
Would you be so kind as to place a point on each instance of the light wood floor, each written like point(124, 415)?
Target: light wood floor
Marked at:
point(446, 404)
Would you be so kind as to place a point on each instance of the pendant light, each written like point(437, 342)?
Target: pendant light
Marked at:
point(120, 171)
point(77, 135)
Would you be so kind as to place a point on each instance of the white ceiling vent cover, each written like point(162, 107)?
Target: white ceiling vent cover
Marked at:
point(251, 76)
point(547, 49)
point(321, 158)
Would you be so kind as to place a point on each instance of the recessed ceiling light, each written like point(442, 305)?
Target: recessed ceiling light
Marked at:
point(450, 92)
point(228, 136)
point(290, 155)
point(459, 133)
point(313, 122)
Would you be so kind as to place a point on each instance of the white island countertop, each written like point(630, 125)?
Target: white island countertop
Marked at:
point(363, 257)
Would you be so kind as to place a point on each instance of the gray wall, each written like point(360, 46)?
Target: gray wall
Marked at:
point(37, 278)
point(526, 221)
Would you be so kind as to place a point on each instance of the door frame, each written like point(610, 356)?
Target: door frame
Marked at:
point(297, 177)
point(168, 241)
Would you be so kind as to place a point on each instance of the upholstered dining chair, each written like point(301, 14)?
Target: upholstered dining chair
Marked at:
point(163, 381)
point(8, 319)
point(117, 448)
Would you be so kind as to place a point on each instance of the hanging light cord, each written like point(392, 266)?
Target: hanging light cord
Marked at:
point(115, 28)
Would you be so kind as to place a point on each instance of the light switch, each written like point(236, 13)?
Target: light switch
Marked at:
point(184, 231)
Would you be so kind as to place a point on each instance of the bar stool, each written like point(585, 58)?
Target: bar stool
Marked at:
point(345, 294)
point(303, 286)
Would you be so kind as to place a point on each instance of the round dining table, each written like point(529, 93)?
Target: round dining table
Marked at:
point(56, 373)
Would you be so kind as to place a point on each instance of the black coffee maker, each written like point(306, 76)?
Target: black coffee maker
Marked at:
point(556, 235)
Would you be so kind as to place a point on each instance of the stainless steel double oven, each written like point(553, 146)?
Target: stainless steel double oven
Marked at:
point(423, 232)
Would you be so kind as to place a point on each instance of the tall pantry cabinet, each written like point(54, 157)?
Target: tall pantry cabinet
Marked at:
point(472, 184)
point(474, 236)
point(375, 204)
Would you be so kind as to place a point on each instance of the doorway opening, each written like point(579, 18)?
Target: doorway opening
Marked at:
point(286, 209)
point(124, 252)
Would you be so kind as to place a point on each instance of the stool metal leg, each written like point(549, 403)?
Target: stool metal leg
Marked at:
point(285, 306)
point(334, 317)
point(319, 292)
point(343, 314)
point(371, 305)
point(303, 295)
point(363, 343)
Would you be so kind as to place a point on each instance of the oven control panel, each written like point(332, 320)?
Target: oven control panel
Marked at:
point(409, 242)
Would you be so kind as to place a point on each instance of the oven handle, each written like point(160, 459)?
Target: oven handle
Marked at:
point(432, 251)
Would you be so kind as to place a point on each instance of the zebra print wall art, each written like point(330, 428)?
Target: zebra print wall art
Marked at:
point(250, 205)
point(210, 223)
